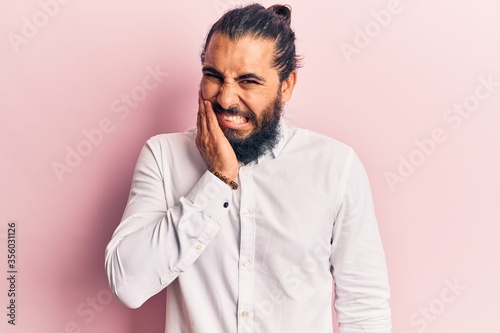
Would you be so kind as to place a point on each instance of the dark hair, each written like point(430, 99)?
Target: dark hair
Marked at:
point(272, 23)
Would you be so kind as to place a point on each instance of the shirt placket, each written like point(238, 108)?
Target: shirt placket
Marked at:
point(247, 250)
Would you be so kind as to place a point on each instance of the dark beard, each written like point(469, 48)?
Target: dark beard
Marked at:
point(264, 137)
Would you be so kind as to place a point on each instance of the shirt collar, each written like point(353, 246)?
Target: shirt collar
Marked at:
point(284, 132)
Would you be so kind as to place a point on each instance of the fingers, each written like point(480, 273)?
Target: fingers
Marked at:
point(207, 119)
point(201, 125)
point(212, 123)
point(201, 121)
point(211, 142)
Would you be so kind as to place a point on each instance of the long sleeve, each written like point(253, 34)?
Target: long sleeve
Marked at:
point(157, 240)
point(359, 269)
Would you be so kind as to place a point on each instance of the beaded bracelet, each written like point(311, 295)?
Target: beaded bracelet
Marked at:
point(226, 180)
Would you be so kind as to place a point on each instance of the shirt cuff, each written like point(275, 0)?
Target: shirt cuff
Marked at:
point(212, 196)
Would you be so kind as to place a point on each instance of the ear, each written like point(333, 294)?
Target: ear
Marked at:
point(287, 87)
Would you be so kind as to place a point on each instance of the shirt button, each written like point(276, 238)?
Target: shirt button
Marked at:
point(247, 262)
point(198, 247)
point(245, 314)
point(247, 213)
point(226, 204)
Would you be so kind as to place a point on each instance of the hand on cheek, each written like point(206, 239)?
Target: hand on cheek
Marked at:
point(211, 142)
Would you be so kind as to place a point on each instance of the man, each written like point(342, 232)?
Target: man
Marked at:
point(246, 218)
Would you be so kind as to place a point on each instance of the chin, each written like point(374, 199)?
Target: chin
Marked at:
point(234, 134)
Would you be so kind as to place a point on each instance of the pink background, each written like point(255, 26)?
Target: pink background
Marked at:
point(439, 220)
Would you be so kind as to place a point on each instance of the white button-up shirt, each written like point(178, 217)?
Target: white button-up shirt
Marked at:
point(260, 258)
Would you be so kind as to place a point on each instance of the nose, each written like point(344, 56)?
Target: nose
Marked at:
point(228, 96)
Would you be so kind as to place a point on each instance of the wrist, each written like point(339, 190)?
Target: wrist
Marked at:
point(231, 173)
point(229, 181)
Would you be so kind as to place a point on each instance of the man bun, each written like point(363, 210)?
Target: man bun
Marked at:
point(283, 11)
point(259, 22)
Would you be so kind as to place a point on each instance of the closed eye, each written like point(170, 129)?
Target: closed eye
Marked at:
point(249, 82)
point(213, 76)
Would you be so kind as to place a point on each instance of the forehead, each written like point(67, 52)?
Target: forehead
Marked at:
point(247, 54)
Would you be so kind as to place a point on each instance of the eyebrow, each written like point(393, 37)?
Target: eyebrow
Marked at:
point(247, 76)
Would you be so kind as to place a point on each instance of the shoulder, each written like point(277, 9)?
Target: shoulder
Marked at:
point(187, 135)
point(172, 141)
point(170, 146)
point(313, 143)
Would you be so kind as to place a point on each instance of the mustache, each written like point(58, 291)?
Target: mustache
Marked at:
point(234, 111)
